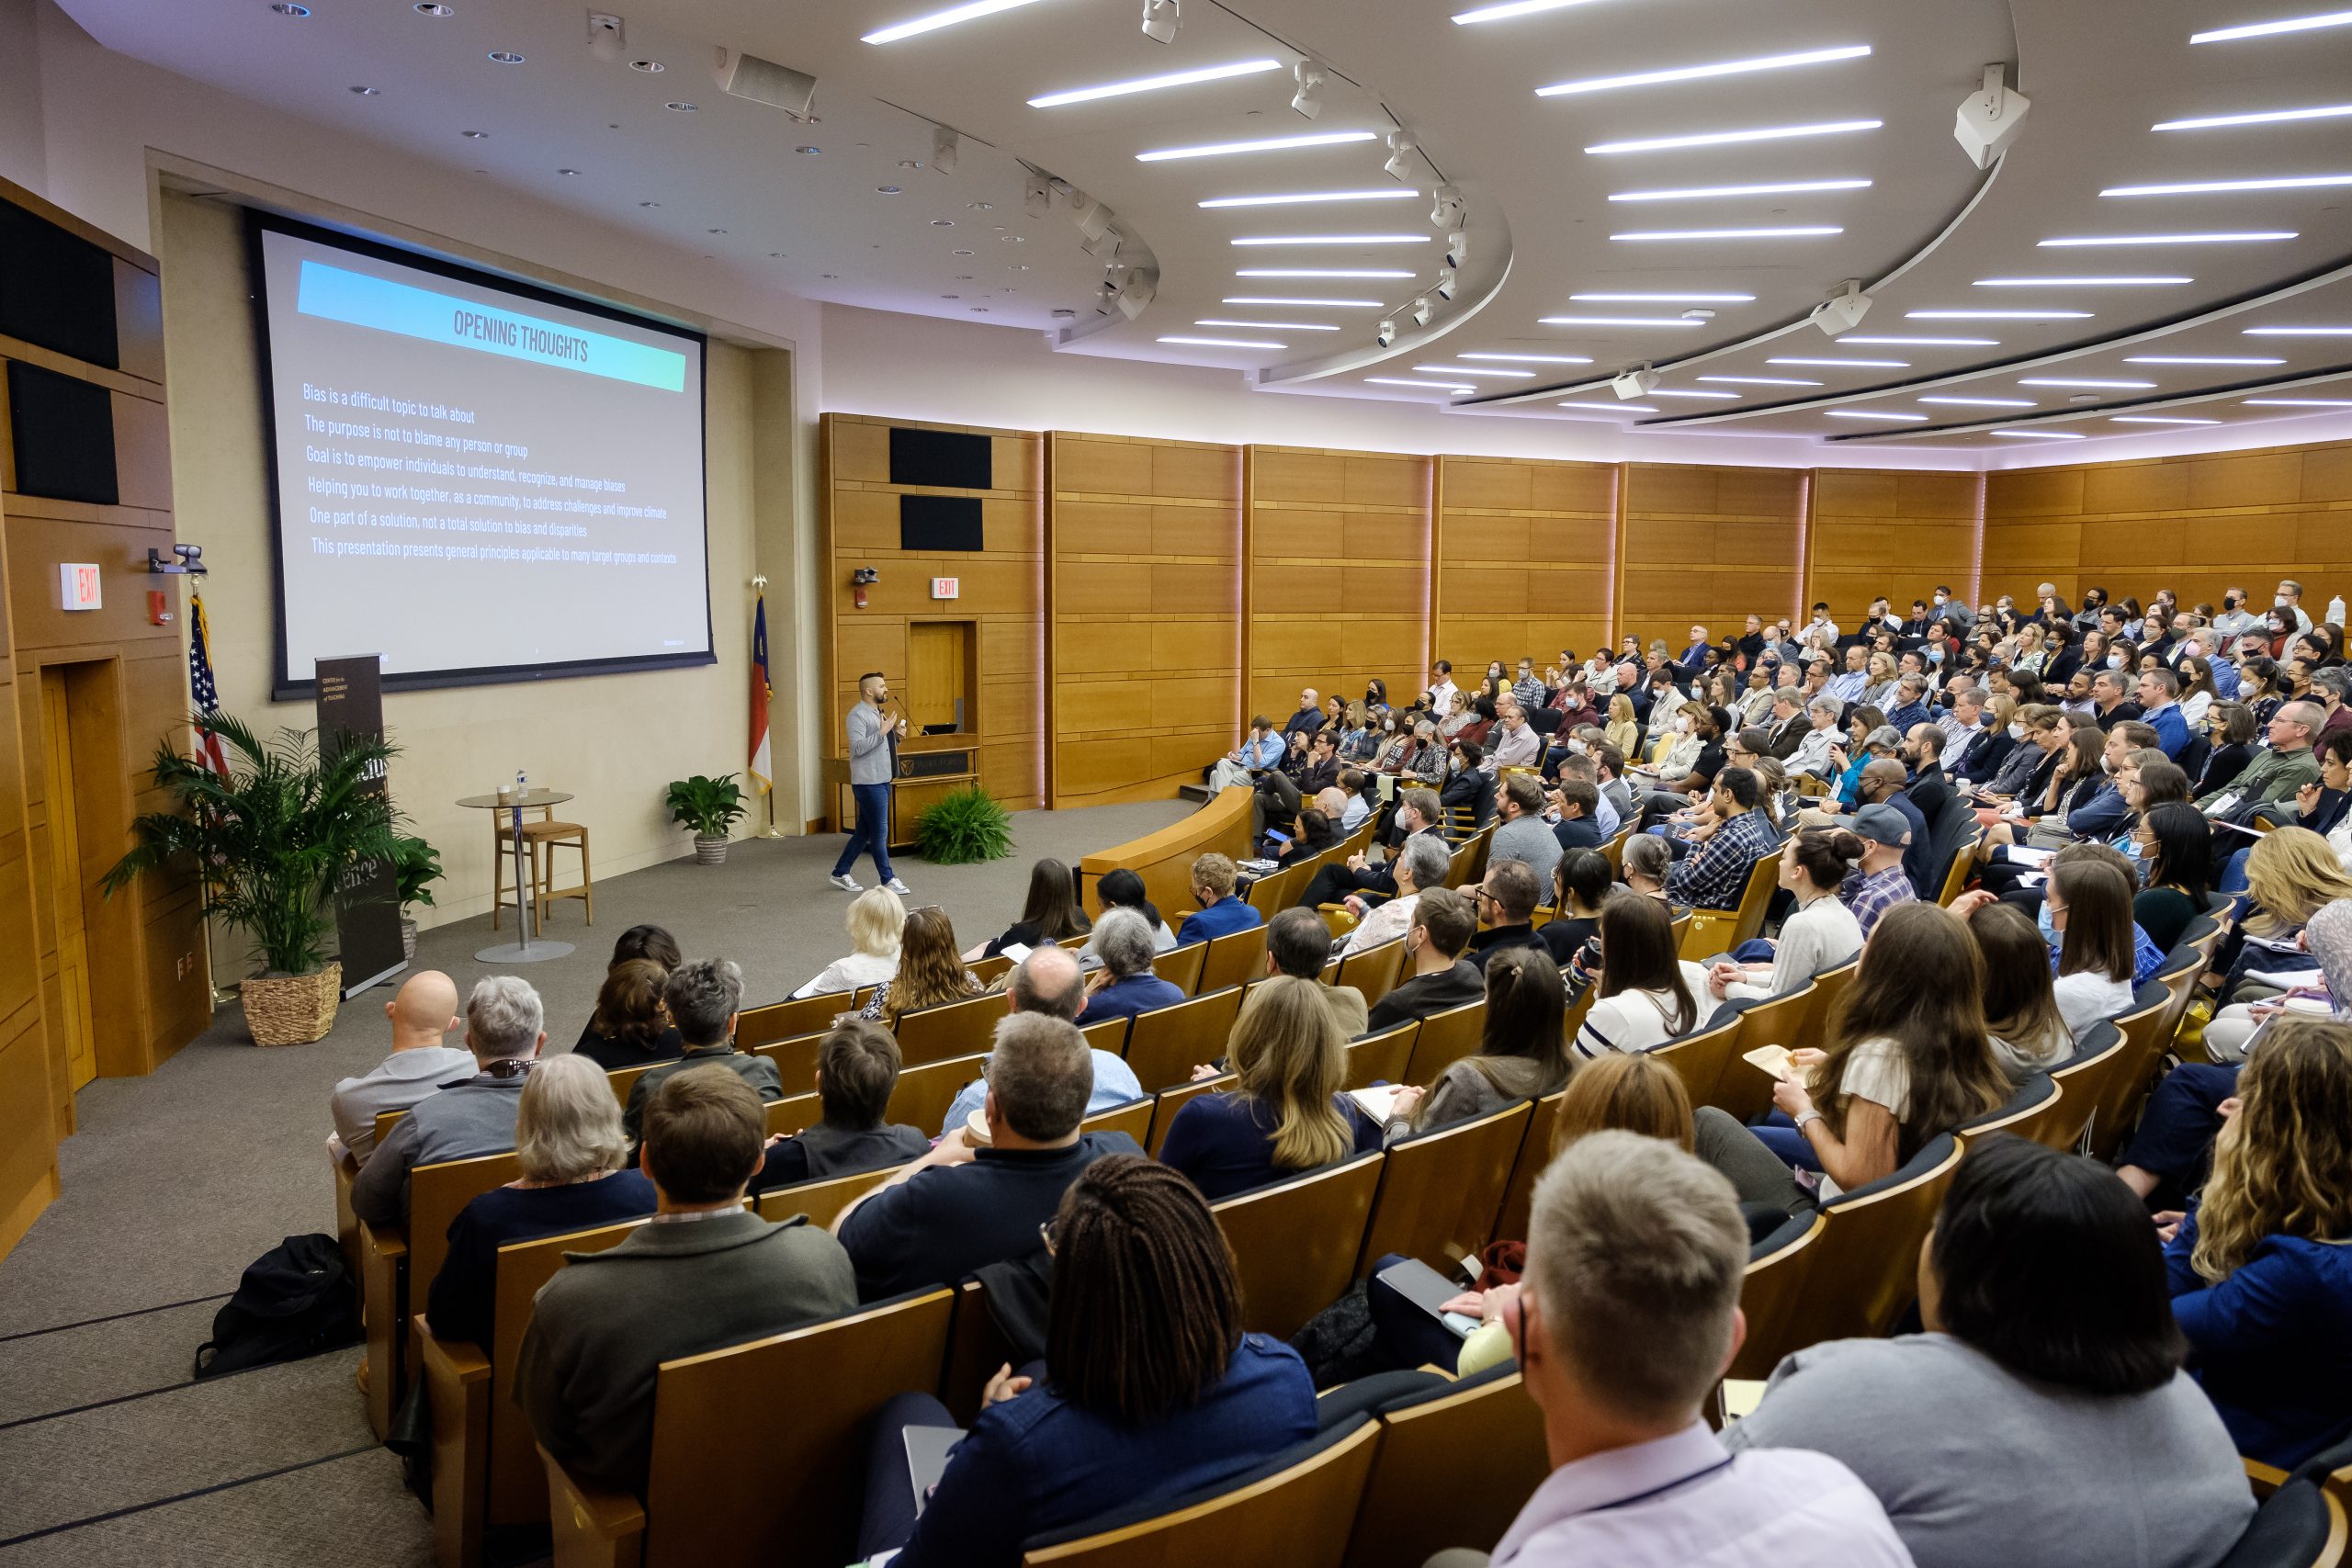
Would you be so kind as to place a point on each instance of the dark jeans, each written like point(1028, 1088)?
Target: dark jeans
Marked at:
point(1779, 1134)
point(2179, 1121)
point(1405, 1335)
point(871, 832)
point(889, 1516)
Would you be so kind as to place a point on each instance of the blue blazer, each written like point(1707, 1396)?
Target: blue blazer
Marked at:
point(1222, 917)
point(2271, 1344)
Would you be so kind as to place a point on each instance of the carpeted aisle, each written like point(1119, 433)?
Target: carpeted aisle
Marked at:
point(174, 1182)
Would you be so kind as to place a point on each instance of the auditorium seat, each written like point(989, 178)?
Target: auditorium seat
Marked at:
point(1373, 971)
point(1295, 1243)
point(1454, 1466)
point(2134, 1073)
point(1165, 1044)
point(923, 1093)
point(1703, 1060)
point(950, 1029)
point(397, 1267)
point(1168, 1101)
point(1772, 1297)
point(822, 1200)
point(1233, 959)
point(1440, 1191)
point(1535, 1154)
point(1790, 1019)
point(2086, 1076)
point(1444, 1039)
point(2037, 1112)
point(1181, 966)
point(1383, 1057)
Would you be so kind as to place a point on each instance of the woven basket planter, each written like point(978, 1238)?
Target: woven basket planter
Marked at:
point(711, 850)
point(292, 1009)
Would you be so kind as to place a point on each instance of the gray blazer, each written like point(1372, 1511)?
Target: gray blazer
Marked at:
point(464, 1121)
point(602, 1326)
point(869, 745)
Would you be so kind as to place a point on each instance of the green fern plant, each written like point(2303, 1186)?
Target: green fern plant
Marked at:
point(965, 829)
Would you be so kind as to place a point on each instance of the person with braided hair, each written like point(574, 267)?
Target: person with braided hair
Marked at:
point(1149, 1389)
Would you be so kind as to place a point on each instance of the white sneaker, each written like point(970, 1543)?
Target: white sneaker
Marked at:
point(846, 883)
point(901, 888)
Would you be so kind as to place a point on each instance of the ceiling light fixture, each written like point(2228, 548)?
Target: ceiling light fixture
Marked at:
point(1871, 413)
point(679, 106)
point(2265, 29)
point(2156, 419)
point(2299, 332)
point(2251, 237)
point(431, 8)
point(1535, 358)
point(1700, 73)
point(1847, 364)
point(505, 57)
point(2203, 188)
point(1328, 304)
point(1984, 402)
point(946, 18)
point(1302, 198)
point(1615, 322)
point(1467, 370)
point(1809, 233)
point(2297, 403)
point(1223, 342)
point(1321, 272)
point(1421, 311)
point(1270, 326)
point(1634, 383)
point(1696, 193)
point(1332, 239)
point(367, 92)
point(807, 151)
point(2268, 117)
point(1609, 408)
point(1401, 147)
point(475, 135)
point(1662, 299)
point(568, 172)
point(2094, 383)
point(1308, 99)
point(1263, 144)
point(650, 67)
point(1727, 138)
point(2041, 434)
point(1997, 315)
point(1154, 84)
point(1424, 385)
point(1445, 207)
point(1991, 118)
point(1513, 8)
point(2079, 282)
point(1844, 310)
point(1675, 392)
point(1893, 341)
point(1761, 380)
point(945, 146)
point(1161, 18)
point(288, 9)
point(2198, 359)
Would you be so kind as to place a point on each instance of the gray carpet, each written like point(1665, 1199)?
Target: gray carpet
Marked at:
point(175, 1181)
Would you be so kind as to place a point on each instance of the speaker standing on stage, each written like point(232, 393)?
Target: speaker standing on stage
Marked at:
point(872, 757)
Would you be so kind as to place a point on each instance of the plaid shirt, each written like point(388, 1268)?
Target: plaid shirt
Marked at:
point(1876, 893)
point(1530, 692)
point(1714, 874)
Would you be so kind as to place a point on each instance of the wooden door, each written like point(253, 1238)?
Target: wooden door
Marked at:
point(934, 672)
point(64, 890)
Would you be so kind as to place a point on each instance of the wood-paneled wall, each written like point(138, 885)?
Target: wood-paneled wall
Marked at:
point(1143, 542)
point(1876, 532)
point(1525, 560)
point(125, 682)
point(2197, 525)
point(1336, 588)
point(1002, 589)
point(1711, 546)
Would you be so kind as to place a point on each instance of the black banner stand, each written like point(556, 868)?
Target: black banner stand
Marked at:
point(366, 909)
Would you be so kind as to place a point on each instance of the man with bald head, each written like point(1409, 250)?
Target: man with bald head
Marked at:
point(1049, 981)
point(422, 1013)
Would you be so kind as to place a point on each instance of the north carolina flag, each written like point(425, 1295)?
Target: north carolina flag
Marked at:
point(761, 764)
point(201, 687)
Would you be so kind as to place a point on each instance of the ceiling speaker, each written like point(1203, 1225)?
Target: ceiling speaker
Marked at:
point(764, 82)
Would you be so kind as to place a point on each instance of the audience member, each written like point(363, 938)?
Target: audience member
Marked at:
point(857, 1067)
point(703, 1273)
point(1359, 883)
point(1580, 806)
point(1646, 994)
point(465, 1119)
point(1298, 943)
point(1647, 859)
point(2021, 1017)
point(1122, 889)
point(422, 1014)
point(705, 998)
point(1581, 884)
point(1521, 1050)
point(2174, 846)
point(1125, 985)
point(1524, 836)
point(1048, 983)
point(1714, 875)
point(1819, 933)
point(644, 943)
point(1437, 977)
point(1050, 913)
point(1289, 1114)
point(1220, 913)
point(2089, 905)
point(1882, 882)
point(568, 1140)
point(629, 1027)
point(1422, 861)
point(930, 974)
point(1507, 899)
point(875, 920)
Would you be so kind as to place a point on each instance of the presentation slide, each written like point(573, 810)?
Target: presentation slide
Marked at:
point(473, 480)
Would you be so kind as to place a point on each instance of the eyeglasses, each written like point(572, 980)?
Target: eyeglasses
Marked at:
point(1046, 1235)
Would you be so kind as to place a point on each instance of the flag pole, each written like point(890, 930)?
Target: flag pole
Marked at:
point(768, 692)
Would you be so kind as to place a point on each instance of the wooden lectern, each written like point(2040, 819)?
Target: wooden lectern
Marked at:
point(930, 766)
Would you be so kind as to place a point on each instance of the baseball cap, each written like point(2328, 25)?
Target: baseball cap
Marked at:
point(1882, 824)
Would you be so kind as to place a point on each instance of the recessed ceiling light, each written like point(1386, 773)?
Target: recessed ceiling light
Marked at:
point(1609, 408)
point(1512, 8)
point(475, 135)
point(367, 92)
point(505, 57)
point(2156, 419)
point(951, 297)
point(1663, 298)
point(887, 190)
point(1810, 232)
point(1153, 83)
point(713, 230)
point(2266, 116)
point(1997, 315)
point(1727, 138)
point(289, 9)
point(2078, 282)
point(1876, 413)
point(1330, 304)
point(1984, 402)
point(2299, 332)
point(1468, 371)
point(1671, 392)
point(1301, 199)
point(571, 174)
point(1761, 380)
point(1698, 73)
point(1223, 342)
point(650, 67)
point(1534, 358)
point(1896, 341)
point(937, 20)
point(2263, 30)
point(776, 255)
point(1001, 239)
point(433, 9)
point(649, 204)
point(1846, 364)
point(943, 222)
point(2251, 237)
point(2196, 359)
point(2041, 434)
point(1616, 321)
point(1271, 326)
point(807, 151)
point(1265, 144)
point(833, 274)
point(981, 206)
point(679, 106)
point(1695, 193)
point(1333, 239)
point(960, 252)
point(911, 162)
point(2086, 382)
point(1424, 385)
point(2200, 187)
point(2297, 403)
point(1321, 272)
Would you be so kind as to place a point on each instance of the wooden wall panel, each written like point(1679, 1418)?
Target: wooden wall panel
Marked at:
point(1002, 589)
point(1336, 574)
point(1709, 546)
point(1525, 557)
point(1144, 562)
point(1874, 532)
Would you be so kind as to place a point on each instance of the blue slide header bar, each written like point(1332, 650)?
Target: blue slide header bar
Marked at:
point(335, 294)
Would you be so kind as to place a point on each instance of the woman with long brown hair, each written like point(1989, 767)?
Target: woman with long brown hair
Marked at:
point(1289, 1114)
point(2021, 1016)
point(630, 1027)
point(929, 970)
point(1521, 1055)
point(1050, 913)
point(1648, 993)
point(2089, 905)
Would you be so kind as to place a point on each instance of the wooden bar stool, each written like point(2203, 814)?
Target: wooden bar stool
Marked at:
point(549, 836)
point(501, 846)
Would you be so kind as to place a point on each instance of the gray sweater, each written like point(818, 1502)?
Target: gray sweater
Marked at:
point(1979, 1467)
point(465, 1121)
point(1531, 841)
point(869, 745)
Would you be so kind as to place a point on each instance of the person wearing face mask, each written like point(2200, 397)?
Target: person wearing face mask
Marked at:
point(2235, 620)
point(2289, 602)
point(1988, 748)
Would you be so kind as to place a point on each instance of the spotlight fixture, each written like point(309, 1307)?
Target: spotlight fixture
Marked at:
point(1990, 119)
point(505, 57)
point(1445, 285)
point(1401, 147)
point(1445, 210)
point(1090, 214)
point(1630, 384)
point(431, 8)
point(1036, 195)
point(1844, 310)
point(1308, 99)
point(1137, 293)
point(650, 67)
point(1161, 18)
point(1457, 248)
point(943, 148)
point(367, 92)
point(1421, 311)
point(1102, 247)
point(1386, 334)
point(606, 35)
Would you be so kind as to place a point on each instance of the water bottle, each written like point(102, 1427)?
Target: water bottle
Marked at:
point(2335, 610)
point(522, 784)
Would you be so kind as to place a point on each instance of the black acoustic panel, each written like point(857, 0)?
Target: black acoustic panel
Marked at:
point(63, 432)
point(946, 458)
point(56, 290)
point(939, 522)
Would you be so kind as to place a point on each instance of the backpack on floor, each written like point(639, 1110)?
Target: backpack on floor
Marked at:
point(295, 1300)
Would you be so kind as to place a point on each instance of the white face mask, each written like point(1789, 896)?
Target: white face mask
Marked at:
point(1576, 744)
point(1682, 726)
point(1940, 601)
point(2017, 732)
point(2279, 603)
point(2115, 661)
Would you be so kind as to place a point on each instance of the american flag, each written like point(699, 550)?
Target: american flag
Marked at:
point(201, 685)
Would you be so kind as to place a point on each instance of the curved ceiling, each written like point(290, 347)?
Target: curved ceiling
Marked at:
point(1990, 291)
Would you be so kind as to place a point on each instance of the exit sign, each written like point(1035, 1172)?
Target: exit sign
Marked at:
point(79, 584)
point(945, 588)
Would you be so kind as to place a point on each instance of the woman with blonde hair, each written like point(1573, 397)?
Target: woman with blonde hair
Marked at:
point(1878, 691)
point(2261, 1268)
point(929, 970)
point(568, 1141)
point(2291, 875)
point(876, 921)
point(2031, 655)
point(1289, 1114)
point(1623, 730)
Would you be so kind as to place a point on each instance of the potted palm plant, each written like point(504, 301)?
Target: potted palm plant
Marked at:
point(270, 844)
point(709, 807)
point(416, 865)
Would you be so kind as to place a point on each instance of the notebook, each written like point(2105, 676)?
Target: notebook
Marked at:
point(1430, 1290)
point(1773, 1059)
point(927, 1448)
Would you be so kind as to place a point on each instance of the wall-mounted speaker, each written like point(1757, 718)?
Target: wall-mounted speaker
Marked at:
point(939, 522)
point(62, 428)
point(946, 459)
point(56, 290)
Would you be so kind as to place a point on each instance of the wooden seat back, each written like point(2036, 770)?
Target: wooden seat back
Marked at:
point(821, 1201)
point(950, 1029)
point(1444, 1039)
point(624, 1080)
point(1110, 1034)
point(2037, 1112)
point(795, 1114)
point(1615, 849)
point(1867, 1269)
point(1295, 1243)
point(2086, 1077)
point(986, 970)
point(1475, 870)
point(388, 1120)
point(1181, 966)
point(1772, 1297)
point(436, 1194)
point(517, 1487)
point(1269, 894)
point(1702, 1061)
point(1535, 1154)
point(1168, 1101)
point(1373, 971)
point(1829, 990)
point(800, 1015)
point(2127, 1082)
point(1383, 1057)
point(1478, 1448)
point(922, 1095)
point(1440, 1191)
point(1743, 1090)
point(1233, 959)
point(1166, 1045)
point(795, 1059)
point(1134, 1118)
point(975, 1349)
point(1719, 930)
